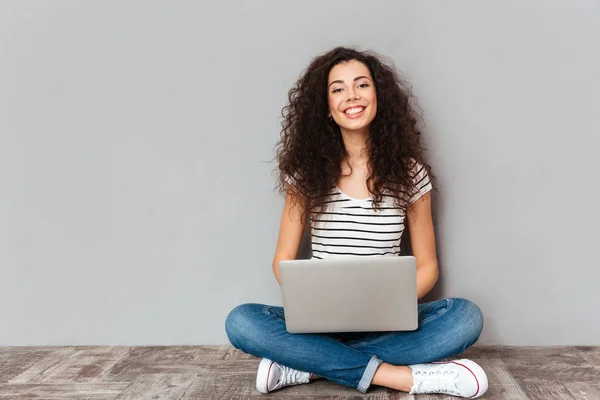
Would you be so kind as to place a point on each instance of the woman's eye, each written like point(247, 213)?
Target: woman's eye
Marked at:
point(336, 90)
point(363, 85)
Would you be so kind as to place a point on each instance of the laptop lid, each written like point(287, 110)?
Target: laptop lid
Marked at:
point(350, 294)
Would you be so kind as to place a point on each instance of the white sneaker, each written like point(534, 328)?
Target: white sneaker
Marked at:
point(272, 376)
point(463, 378)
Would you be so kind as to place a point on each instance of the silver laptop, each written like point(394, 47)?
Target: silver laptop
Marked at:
point(350, 294)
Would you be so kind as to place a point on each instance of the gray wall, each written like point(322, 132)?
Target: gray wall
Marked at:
point(136, 201)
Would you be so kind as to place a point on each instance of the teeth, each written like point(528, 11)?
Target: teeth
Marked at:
point(354, 110)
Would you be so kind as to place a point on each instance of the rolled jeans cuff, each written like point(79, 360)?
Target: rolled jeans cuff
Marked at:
point(369, 373)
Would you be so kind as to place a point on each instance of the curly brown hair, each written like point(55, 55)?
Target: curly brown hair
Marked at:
point(311, 150)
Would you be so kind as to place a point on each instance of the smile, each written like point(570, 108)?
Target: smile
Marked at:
point(354, 112)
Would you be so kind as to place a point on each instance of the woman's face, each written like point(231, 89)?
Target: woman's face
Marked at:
point(352, 96)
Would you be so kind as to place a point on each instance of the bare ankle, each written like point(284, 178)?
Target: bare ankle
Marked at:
point(397, 377)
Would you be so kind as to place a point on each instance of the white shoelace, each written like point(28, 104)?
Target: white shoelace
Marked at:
point(293, 376)
point(436, 382)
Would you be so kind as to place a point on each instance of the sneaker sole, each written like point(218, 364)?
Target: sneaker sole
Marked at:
point(476, 370)
point(262, 377)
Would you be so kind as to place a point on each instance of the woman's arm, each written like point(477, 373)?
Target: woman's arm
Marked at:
point(291, 228)
point(422, 239)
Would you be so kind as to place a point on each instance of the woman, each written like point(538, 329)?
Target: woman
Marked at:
point(350, 160)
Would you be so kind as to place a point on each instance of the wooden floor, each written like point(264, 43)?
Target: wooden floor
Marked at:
point(222, 372)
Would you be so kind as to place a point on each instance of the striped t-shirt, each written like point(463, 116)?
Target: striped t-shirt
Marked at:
point(351, 227)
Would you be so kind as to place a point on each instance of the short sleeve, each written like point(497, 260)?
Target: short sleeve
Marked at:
point(421, 182)
point(292, 181)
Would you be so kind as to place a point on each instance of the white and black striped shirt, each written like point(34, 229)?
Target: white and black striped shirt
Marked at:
point(351, 227)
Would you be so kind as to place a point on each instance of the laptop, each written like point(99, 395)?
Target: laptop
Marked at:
point(350, 294)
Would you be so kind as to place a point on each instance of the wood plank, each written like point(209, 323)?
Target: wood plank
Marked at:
point(82, 390)
point(51, 358)
point(158, 386)
point(218, 352)
point(14, 363)
point(84, 364)
point(323, 387)
point(27, 349)
point(222, 386)
point(205, 367)
point(176, 353)
point(549, 365)
point(225, 372)
point(584, 390)
point(590, 354)
point(395, 395)
point(481, 352)
point(243, 386)
point(236, 354)
point(139, 359)
point(545, 391)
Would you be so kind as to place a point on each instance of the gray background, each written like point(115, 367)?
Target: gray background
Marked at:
point(136, 187)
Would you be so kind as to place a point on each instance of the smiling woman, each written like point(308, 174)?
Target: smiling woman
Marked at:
point(350, 122)
point(352, 97)
point(350, 159)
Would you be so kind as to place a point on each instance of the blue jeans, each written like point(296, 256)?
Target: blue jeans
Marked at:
point(446, 327)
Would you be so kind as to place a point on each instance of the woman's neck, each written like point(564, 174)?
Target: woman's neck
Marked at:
point(356, 146)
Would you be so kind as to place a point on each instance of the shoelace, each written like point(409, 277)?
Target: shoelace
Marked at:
point(437, 381)
point(293, 376)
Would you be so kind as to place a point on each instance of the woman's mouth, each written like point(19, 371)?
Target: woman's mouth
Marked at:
point(354, 112)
